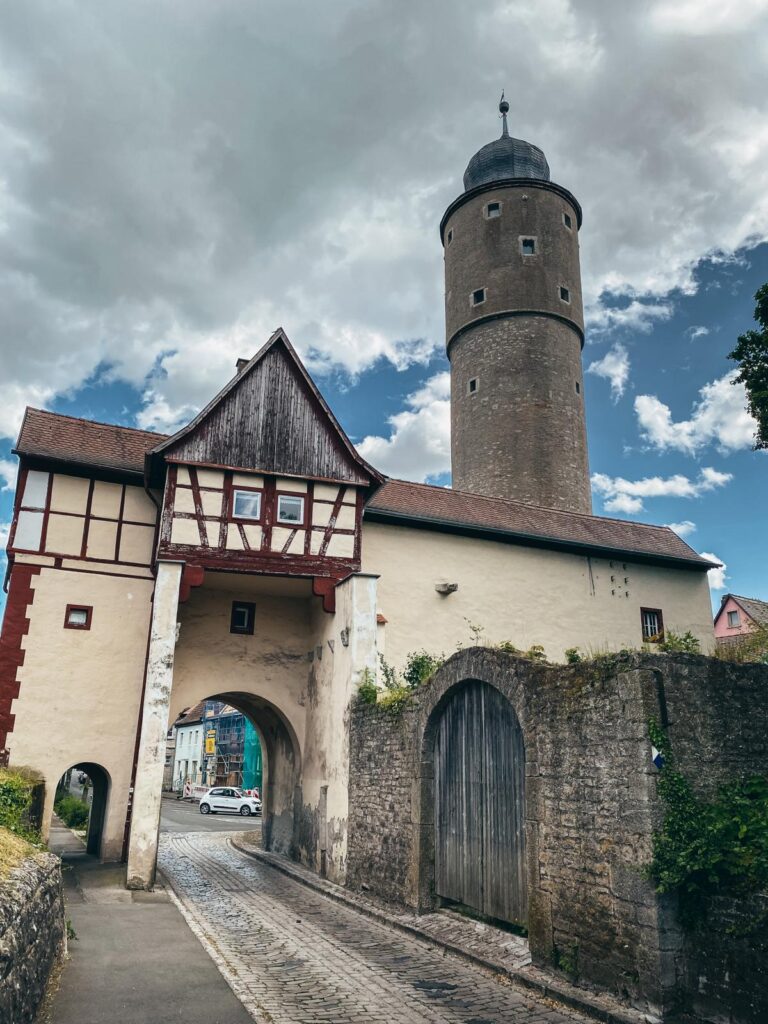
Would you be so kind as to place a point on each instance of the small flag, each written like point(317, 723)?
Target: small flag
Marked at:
point(657, 757)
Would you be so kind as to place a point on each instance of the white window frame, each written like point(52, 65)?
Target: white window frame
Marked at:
point(529, 238)
point(290, 522)
point(250, 494)
point(496, 204)
point(737, 619)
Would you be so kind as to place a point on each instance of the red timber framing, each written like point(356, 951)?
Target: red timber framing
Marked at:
point(88, 517)
point(15, 626)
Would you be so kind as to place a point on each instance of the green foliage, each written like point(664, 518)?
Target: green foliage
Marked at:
point(679, 643)
point(567, 960)
point(72, 811)
point(573, 656)
point(508, 647)
point(395, 699)
point(71, 933)
point(388, 674)
point(419, 666)
point(535, 653)
point(475, 633)
point(16, 789)
point(706, 847)
point(367, 691)
point(751, 353)
point(751, 647)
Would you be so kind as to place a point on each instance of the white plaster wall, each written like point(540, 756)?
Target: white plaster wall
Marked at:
point(80, 689)
point(521, 594)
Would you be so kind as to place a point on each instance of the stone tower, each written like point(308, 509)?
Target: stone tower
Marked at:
point(515, 330)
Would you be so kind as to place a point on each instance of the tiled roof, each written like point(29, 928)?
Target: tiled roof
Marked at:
point(195, 714)
point(451, 509)
point(53, 436)
point(103, 445)
point(755, 609)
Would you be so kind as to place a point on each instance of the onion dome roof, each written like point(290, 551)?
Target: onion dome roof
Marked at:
point(504, 158)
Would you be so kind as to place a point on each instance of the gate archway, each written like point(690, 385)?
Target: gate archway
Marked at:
point(100, 782)
point(478, 756)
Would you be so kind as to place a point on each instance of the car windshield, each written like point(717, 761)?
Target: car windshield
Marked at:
point(237, 792)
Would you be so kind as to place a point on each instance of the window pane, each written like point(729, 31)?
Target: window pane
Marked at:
point(290, 510)
point(29, 530)
point(247, 504)
point(77, 617)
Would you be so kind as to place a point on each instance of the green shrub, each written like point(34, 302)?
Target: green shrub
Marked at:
point(396, 698)
point(507, 647)
point(573, 656)
point(679, 643)
point(705, 847)
point(419, 666)
point(367, 691)
point(72, 811)
point(535, 653)
point(16, 789)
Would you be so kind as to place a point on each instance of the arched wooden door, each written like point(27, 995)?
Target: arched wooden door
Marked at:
point(480, 804)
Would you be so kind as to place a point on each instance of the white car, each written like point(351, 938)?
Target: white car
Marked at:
point(226, 798)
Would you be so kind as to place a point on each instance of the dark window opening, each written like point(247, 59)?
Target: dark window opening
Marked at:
point(78, 616)
point(578, 388)
point(567, 220)
point(243, 618)
point(478, 296)
point(493, 210)
point(472, 386)
point(652, 625)
point(565, 294)
point(449, 236)
point(528, 246)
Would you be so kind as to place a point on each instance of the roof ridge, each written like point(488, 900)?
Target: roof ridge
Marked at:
point(530, 504)
point(95, 423)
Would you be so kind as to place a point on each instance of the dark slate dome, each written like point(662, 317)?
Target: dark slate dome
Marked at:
point(505, 158)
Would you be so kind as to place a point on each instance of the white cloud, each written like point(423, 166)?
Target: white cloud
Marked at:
point(683, 529)
point(420, 443)
point(614, 366)
point(697, 331)
point(717, 577)
point(156, 222)
point(720, 417)
point(620, 495)
point(8, 474)
point(5, 529)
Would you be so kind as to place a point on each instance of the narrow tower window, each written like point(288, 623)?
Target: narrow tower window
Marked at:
point(472, 386)
point(528, 246)
point(578, 388)
point(449, 236)
point(493, 210)
point(565, 294)
point(477, 297)
point(567, 221)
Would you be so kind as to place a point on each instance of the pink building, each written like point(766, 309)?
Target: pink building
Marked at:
point(739, 615)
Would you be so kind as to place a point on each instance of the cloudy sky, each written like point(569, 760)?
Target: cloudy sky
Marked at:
point(179, 177)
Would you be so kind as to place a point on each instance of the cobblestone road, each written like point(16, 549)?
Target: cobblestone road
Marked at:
point(295, 957)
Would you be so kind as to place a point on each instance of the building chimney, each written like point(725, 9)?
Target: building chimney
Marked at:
point(241, 363)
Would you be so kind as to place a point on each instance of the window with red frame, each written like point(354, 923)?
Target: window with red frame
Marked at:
point(78, 616)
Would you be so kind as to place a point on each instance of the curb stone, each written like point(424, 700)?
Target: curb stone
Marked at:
point(601, 1009)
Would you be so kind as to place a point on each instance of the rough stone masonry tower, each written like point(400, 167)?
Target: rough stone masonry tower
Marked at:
point(515, 330)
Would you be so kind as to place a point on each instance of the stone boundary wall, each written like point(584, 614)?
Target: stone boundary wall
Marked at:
point(591, 805)
point(32, 935)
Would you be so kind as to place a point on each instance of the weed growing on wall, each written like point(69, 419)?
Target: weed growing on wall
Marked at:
point(367, 691)
point(16, 791)
point(708, 847)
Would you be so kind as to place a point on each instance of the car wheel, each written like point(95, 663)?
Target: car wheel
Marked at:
point(245, 810)
point(205, 808)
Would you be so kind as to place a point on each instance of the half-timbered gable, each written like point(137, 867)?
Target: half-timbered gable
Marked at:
point(264, 478)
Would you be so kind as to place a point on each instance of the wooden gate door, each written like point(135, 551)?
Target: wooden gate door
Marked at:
point(480, 804)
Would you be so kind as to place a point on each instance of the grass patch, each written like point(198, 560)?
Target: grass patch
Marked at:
point(13, 850)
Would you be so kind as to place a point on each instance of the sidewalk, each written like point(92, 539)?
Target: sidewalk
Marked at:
point(135, 960)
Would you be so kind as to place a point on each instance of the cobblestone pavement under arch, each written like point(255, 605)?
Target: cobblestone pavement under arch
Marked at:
point(295, 957)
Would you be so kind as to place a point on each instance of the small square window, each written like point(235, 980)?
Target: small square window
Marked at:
point(528, 246)
point(652, 625)
point(243, 617)
point(565, 294)
point(246, 504)
point(493, 210)
point(449, 236)
point(472, 386)
point(78, 616)
point(478, 296)
point(290, 509)
point(733, 619)
point(567, 221)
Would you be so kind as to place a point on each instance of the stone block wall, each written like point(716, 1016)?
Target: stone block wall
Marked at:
point(32, 935)
point(591, 807)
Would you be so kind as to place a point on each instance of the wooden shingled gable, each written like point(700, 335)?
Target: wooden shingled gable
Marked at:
point(269, 418)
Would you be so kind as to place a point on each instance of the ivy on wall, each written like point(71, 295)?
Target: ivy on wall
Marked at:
point(708, 847)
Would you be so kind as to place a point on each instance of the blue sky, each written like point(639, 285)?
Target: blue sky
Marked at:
point(171, 196)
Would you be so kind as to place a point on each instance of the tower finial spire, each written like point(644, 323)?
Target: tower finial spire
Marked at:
point(504, 107)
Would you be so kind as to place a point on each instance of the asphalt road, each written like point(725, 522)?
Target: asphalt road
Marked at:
point(184, 816)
